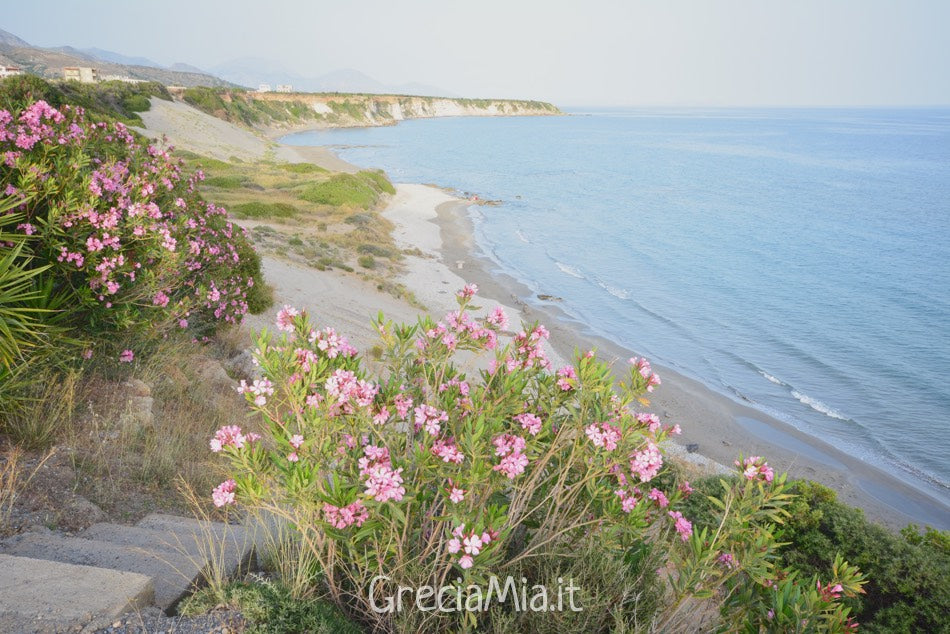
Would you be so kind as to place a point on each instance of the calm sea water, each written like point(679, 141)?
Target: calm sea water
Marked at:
point(797, 258)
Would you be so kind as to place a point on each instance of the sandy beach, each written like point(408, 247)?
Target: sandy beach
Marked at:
point(716, 429)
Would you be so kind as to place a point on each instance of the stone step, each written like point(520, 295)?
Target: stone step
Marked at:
point(38, 595)
point(173, 574)
point(146, 538)
point(229, 546)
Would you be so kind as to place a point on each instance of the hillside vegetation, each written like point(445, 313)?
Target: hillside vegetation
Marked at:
point(343, 110)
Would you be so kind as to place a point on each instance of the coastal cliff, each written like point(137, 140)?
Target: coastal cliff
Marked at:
point(339, 110)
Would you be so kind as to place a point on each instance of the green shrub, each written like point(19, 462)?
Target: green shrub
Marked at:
point(301, 168)
point(341, 190)
point(119, 245)
point(366, 261)
point(226, 182)
point(271, 609)
point(378, 250)
point(362, 189)
point(908, 587)
point(257, 209)
point(379, 180)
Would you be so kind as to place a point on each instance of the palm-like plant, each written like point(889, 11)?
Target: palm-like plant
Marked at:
point(21, 325)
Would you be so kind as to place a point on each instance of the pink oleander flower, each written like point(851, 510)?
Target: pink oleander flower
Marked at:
point(456, 494)
point(727, 560)
point(647, 462)
point(643, 367)
point(659, 497)
point(296, 441)
point(498, 318)
point(342, 517)
point(87, 353)
point(567, 378)
point(430, 418)
point(127, 356)
point(285, 318)
point(468, 291)
point(447, 451)
point(628, 500)
point(604, 435)
point(230, 436)
point(223, 494)
point(683, 526)
point(652, 421)
point(380, 417)
point(755, 468)
point(512, 465)
point(403, 404)
point(384, 484)
point(685, 488)
point(529, 422)
point(293, 457)
point(160, 299)
point(466, 561)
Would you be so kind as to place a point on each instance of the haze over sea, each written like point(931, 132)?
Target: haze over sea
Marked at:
point(795, 259)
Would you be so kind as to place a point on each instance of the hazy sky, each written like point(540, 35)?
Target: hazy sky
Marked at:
point(605, 52)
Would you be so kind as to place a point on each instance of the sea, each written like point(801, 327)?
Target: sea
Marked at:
point(794, 259)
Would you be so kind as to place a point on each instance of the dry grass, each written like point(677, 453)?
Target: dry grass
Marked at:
point(13, 480)
point(123, 443)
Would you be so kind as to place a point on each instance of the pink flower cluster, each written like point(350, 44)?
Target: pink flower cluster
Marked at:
point(430, 419)
point(383, 483)
point(567, 378)
point(260, 389)
point(457, 328)
point(231, 436)
point(447, 451)
point(342, 517)
point(348, 392)
point(682, 525)
point(643, 367)
point(121, 237)
point(604, 435)
point(332, 344)
point(647, 462)
point(529, 422)
point(469, 544)
point(755, 468)
point(510, 448)
point(223, 494)
point(285, 318)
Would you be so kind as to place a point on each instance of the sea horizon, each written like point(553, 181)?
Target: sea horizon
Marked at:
point(674, 181)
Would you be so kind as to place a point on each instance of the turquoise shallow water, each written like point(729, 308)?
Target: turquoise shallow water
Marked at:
point(794, 258)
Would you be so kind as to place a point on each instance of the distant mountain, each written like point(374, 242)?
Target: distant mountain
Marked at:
point(119, 58)
point(185, 68)
point(49, 63)
point(11, 40)
point(253, 71)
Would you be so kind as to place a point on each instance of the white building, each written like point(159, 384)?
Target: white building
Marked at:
point(125, 78)
point(263, 88)
point(82, 74)
point(9, 71)
point(285, 87)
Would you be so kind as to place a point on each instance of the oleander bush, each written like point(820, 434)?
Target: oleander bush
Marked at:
point(442, 468)
point(115, 244)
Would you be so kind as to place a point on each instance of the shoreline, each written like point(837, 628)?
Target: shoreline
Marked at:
point(721, 427)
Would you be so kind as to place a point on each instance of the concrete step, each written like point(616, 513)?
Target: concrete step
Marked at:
point(173, 574)
point(146, 538)
point(38, 595)
point(228, 546)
